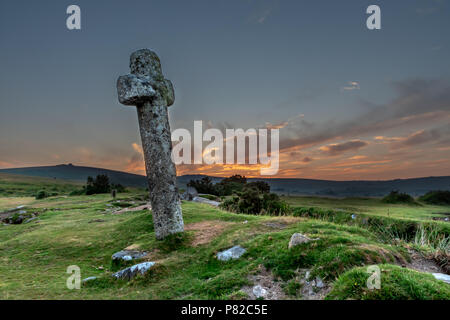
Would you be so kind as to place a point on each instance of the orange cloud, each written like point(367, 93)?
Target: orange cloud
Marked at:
point(277, 126)
point(137, 148)
point(338, 148)
point(136, 163)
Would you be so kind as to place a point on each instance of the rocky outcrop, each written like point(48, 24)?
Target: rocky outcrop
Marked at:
point(190, 194)
point(131, 272)
point(206, 201)
point(298, 238)
point(128, 255)
point(442, 277)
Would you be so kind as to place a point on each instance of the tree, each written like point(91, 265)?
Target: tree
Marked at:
point(436, 197)
point(397, 197)
point(237, 178)
point(204, 185)
point(261, 186)
point(99, 185)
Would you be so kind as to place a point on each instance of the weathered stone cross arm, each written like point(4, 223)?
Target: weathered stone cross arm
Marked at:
point(135, 90)
point(147, 89)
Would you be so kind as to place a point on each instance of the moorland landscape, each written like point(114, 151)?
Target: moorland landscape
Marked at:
point(225, 150)
point(48, 225)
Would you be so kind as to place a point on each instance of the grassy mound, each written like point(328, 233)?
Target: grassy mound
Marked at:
point(436, 197)
point(398, 197)
point(336, 249)
point(433, 234)
point(396, 284)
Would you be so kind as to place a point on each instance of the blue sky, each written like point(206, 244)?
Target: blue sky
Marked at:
point(233, 64)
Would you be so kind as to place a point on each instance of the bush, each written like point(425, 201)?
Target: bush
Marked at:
point(228, 186)
point(210, 197)
point(78, 192)
point(397, 197)
point(262, 186)
point(99, 185)
point(436, 197)
point(119, 188)
point(42, 194)
point(273, 205)
point(204, 185)
point(251, 202)
point(237, 178)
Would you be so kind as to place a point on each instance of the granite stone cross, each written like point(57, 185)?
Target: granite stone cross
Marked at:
point(148, 90)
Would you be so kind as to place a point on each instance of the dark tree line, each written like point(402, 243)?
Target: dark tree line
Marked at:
point(228, 186)
point(99, 184)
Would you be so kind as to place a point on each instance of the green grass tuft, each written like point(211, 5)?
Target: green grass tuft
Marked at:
point(396, 284)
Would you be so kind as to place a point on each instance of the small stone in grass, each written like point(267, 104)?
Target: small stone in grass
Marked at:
point(233, 253)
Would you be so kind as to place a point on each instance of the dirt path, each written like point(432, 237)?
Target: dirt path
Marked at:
point(206, 231)
point(422, 264)
point(139, 208)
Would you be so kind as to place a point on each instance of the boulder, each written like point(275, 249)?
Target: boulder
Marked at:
point(206, 201)
point(190, 194)
point(259, 291)
point(88, 279)
point(30, 219)
point(16, 219)
point(318, 283)
point(131, 272)
point(128, 255)
point(441, 276)
point(298, 238)
point(233, 253)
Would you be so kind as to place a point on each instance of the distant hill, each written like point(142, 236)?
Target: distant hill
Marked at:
point(77, 173)
point(415, 186)
point(357, 188)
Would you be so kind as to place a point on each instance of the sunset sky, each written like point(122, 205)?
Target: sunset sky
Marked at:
point(350, 103)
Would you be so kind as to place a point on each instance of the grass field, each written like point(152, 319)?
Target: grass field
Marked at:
point(84, 231)
point(372, 206)
point(12, 185)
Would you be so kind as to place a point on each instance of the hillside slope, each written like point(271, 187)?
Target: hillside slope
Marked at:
point(78, 173)
point(414, 186)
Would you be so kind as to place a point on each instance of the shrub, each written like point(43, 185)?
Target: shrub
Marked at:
point(228, 186)
point(436, 197)
point(42, 194)
point(262, 186)
point(204, 185)
point(78, 192)
point(99, 185)
point(251, 202)
point(119, 188)
point(237, 178)
point(397, 197)
point(273, 205)
point(210, 197)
